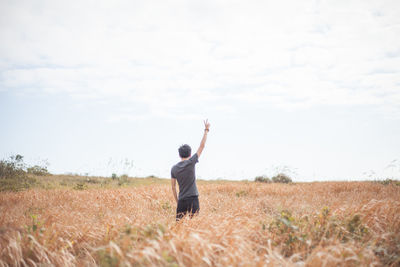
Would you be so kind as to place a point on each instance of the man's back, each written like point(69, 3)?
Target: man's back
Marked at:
point(184, 172)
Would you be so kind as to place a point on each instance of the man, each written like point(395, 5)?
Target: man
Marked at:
point(184, 172)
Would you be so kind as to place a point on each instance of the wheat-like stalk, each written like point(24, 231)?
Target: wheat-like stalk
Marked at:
point(240, 224)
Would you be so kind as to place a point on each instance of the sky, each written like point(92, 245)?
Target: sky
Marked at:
point(310, 88)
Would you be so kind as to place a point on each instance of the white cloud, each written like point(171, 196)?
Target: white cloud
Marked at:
point(173, 54)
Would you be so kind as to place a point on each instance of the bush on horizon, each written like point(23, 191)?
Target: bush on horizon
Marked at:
point(262, 179)
point(38, 170)
point(279, 178)
point(13, 174)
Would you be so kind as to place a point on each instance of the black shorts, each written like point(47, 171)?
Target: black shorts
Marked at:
point(188, 205)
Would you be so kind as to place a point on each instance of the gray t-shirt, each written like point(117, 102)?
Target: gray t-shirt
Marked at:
point(184, 172)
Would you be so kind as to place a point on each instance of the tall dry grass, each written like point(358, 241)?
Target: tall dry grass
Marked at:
point(240, 224)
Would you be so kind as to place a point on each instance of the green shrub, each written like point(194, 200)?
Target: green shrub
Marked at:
point(13, 176)
point(123, 179)
point(262, 179)
point(281, 178)
point(12, 167)
point(38, 170)
point(16, 183)
point(242, 193)
point(293, 233)
point(106, 258)
point(80, 186)
point(388, 182)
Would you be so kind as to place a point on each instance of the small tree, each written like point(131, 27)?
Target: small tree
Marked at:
point(262, 179)
point(123, 179)
point(13, 167)
point(13, 174)
point(281, 178)
point(38, 170)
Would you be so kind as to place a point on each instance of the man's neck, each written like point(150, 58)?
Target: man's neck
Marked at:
point(183, 159)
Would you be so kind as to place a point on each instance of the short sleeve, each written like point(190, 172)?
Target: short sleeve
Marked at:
point(194, 159)
point(172, 173)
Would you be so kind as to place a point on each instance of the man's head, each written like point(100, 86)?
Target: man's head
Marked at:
point(185, 151)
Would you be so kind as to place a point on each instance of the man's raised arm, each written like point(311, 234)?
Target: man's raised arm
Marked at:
point(204, 139)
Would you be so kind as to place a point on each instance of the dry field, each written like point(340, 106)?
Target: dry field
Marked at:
point(240, 224)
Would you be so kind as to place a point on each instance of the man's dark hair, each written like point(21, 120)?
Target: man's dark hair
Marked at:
point(185, 151)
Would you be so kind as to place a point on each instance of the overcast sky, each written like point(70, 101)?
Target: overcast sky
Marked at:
point(308, 87)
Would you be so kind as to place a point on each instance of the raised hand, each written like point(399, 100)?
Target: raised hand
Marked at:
point(203, 140)
point(206, 125)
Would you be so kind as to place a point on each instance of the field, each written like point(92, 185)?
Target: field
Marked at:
point(88, 222)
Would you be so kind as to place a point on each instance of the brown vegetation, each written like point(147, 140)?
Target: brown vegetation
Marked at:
point(240, 223)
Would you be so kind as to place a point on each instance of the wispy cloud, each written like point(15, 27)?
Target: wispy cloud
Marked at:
point(168, 56)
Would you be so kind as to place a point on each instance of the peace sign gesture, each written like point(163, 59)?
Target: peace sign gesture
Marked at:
point(206, 125)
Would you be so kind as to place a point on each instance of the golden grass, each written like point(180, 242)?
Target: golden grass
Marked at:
point(86, 182)
point(240, 224)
